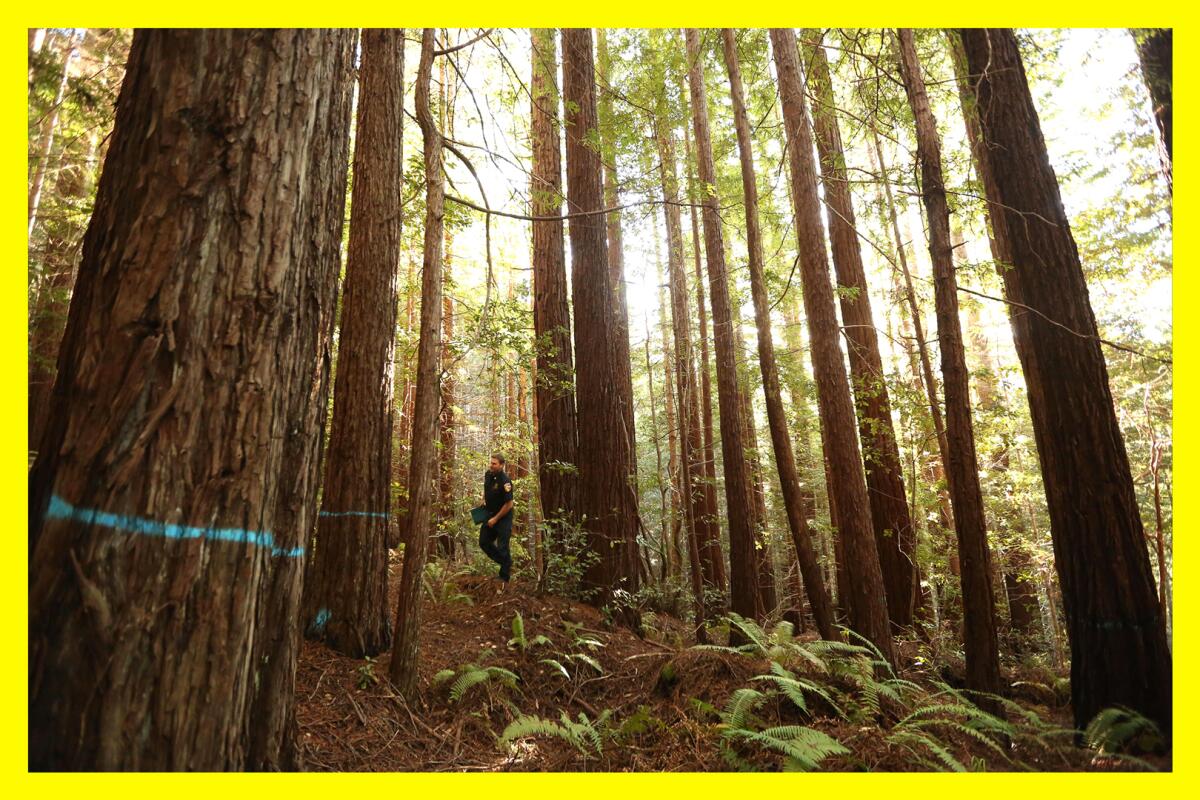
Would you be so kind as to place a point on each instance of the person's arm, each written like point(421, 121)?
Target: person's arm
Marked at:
point(504, 509)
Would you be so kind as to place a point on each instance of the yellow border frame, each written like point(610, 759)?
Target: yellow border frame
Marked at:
point(521, 13)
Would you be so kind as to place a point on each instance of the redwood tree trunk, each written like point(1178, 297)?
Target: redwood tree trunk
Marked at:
point(424, 463)
point(345, 596)
point(743, 577)
point(894, 534)
point(555, 385)
point(616, 247)
point(177, 477)
point(962, 468)
point(867, 605)
point(785, 462)
point(699, 525)
point(1154, 48)
point(1119, 652)
point(711, 556)
point(607, 500)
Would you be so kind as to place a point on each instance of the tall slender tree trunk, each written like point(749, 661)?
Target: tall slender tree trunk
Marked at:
point(785, 462)
point(447, 449)
point(48, 312)
point(867, 604)
point(345, 596)
point(46, 138)
point(165, 572)
point(423, 473)
point(1119, 652)
point(743, 577)
point(607, 500)
point(700, 526)
point(962, 468)
point(894, 535)
point(554, 393)
point(714, 560)
point(616, 246)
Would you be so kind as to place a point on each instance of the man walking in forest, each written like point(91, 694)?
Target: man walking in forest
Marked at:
point(497, 528)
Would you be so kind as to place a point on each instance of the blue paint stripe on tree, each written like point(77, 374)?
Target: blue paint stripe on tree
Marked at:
point(61, 509)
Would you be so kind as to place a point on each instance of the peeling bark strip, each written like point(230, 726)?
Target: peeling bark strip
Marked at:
point(347, 575)
point(1119, 652)
point(606, 499)
point(866, 604)
point(191, 390)
point(962, 469)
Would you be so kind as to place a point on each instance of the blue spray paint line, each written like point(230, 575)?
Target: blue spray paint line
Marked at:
point(318, 623)
point(380, 514)
point(61, 509)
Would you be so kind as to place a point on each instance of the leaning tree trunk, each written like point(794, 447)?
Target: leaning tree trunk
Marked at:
point(424, 463)
point(867, 604)
point(607, 502)
point(555, 385)
point(345, 594)
point(699, 526)
point(962, 468)
point(1119, 652)
point(785, 461)
point(177, 477)
point(743, 577)
point(894, 534)
point(1154, 48)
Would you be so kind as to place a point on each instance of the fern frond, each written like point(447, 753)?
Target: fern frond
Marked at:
point(468, 679)
point(741, 706)
point(1118, 727)
point(552, 662)
point(908, 738)
point(443, 675)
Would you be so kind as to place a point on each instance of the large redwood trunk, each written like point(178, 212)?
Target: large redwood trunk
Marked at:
point(345, 596)
point(554, 395)
point(867, 604)
point(894, 535)
point(607, 500)
point(424, 464)
point(785, 462)
point(176, 481)
point(1119, 652)
point(743, 577)
point(962, 468)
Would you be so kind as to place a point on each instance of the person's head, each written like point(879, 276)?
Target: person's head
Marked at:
point(497, 462)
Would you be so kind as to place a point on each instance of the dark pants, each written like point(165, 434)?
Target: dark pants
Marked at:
point(494, 542)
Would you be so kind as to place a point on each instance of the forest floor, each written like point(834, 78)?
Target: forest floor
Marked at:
point(656, 704)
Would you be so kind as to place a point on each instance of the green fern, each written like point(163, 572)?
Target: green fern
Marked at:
point(469, 676)
point(739, 711)
point(584, 735)
point(518, 638)
point(794, 687)
point(803, 748)
point(1119, 729)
